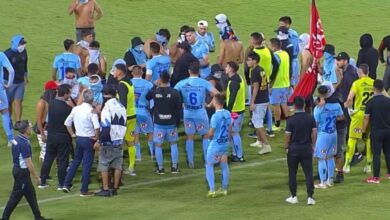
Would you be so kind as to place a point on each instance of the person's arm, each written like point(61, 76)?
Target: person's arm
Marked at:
point(30, 167)
point(221, 55)
point(255, 90)
point(99, 12)
point(205, 60)
point(26, 69)
point(305, 62)
point(241, 58)
point(313, 136)
point(287, 138)
point(234, 87)
point(275, 67)
point(290, 54)
point(6, 64)
point(68, 123)
point(349, 102)
point(360, 58)
point(381, 49)
point(209, 134)
point(39, 113)
point(212, 43)
point(122, 93)
point(72, 7)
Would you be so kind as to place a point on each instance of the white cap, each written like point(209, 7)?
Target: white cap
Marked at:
point(203, 23)
point(221, 18)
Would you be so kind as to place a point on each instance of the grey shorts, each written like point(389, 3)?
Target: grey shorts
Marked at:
point(341, 136)
point(16, 92)
point(258, 115)
point(110, 157)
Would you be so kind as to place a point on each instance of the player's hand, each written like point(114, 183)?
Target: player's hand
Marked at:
point(252, 107)
point(38, 180)
point(364, 136)
point(73, 136)
point(43, 137)
point(286, 150)
point(321, 103)
point(96, 146)
point(6, 86)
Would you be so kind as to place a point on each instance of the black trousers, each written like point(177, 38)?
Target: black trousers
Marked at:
point(380, 140)
point(58, 147)
point(303, 157)
point(22, 187)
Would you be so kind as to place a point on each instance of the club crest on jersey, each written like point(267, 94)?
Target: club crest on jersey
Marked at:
point(323, 151)
point(188, 125)
point(144, 125)
point(200, 127)
point(159, 134)
point(357, 130)
point(173, 133)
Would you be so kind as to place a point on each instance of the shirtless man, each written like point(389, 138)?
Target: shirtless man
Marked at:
point(82, 49)
point(84, 11)
point(162, 37)
point(230, 50)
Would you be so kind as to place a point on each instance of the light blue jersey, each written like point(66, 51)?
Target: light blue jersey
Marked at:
point(141, 88)
point(66, 60)
point(220, 122)
point(294, 39)
point(326, 117)
point(4, 63)
point(200, 50)
point(208, 38)
point(193, 91)
point(157, 65)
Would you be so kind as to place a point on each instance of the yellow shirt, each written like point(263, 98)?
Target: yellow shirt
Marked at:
point(282, 79)
point(364, 90)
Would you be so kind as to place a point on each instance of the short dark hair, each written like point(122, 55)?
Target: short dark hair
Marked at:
point(299, 102)
point(137, 68)
point(365, 68)
point(322, 90)
point(286, 19)
point(165, 77)
point(165, 32)
point(194, 67)
point(155, 47)
point(121, 67)
point(378, 85)
point(70, 70)
point(184, 28)
point(68, 43)
point(63, 89)
point(257, 37)
point(220, 98)
point(109, 89)
point(233, 65)
point(22, 126)
point(93, 68)
point(276, 42)
point(94, 44)
point(190, 29)
point(254, 56)
point(85, 33)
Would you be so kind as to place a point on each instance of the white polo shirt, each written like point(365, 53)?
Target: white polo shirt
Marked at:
point(85, 121)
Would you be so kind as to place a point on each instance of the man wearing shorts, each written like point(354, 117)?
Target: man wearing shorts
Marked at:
point(279, 83)
point(259, 101)
point(113, 130)
point(194, 90)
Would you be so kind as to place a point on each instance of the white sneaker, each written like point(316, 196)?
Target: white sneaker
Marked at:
point(292, 200)
point(265, 149)
point(367, 169)
point(346, 169)
point(311, 201)
point(321, 186)
point(329, 183)
point(130, 172)
point(138, 159)
point(257, 144)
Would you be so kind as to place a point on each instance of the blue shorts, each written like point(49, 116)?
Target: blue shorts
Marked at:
point(295, 72)
point(214, 153)
point(144, 125)
point(193, 125)
point(237, 123)
point(326, 145)
point(164, 132)
point(16, 92)
point(3, 100)
point(279, 96)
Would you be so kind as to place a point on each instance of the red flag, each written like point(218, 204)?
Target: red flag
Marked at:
point(317, 43)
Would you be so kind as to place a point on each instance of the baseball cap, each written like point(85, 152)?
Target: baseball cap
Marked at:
point(329, 48)
point(342, 56)
point(220, 18)
point(203, 23)
point(51, 85)
point(282, 29)
point(136, 41)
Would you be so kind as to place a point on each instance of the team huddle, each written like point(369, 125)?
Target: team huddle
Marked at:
point(156, 89)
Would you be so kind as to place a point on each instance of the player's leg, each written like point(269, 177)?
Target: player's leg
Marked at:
point(225, 173)
point(172, 137)
point(212, 158)
point(18, 100)
point(137, 145)
point(149, 131)
point(386, 151)
point(275, 101)
point(292, 162)
point(159, 134)
point(339, 155)
point(377, 145)
point(129, 138)
point(7, 123)
point(330, 161)
point(269, 122)
point(283, 101)
point(189, 127)
point(258, 118)
point(236, 138)
point(320, 153)
point(307, 167)
point(367, 168)
point(202, 126)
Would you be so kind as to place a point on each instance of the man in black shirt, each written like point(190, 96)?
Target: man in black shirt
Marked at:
point(301, 134)
point(166, 116)
point(385, 44)
point(259, 101)
point(180, 71)
point(59, 142)
point(377, 114)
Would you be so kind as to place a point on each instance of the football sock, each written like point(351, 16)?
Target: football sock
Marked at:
point(205, 145)
point(7, 126)
point(269, 119)
point(138, 150)
point(330, 165)
point(151, 147)
point(237, 144)
point(350, 151)
point(225, 175)
point(131, 151)
point(368, 151)
point(174, 155)
point(190, 150)
point(159, 157)
point(210, 176)
point(322, 170)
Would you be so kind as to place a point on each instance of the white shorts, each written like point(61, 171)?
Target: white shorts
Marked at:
point(258, 115)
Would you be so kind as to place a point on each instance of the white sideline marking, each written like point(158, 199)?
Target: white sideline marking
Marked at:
point(254, 164)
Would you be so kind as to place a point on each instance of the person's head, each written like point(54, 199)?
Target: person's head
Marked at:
point(155, 48)
point(299, 103)
point(231, 68)
point(276, 44)
point(87, 36)
point(93, 69)
point(184, 46)
point(109, 91)
point(252, 60)
point(137, 71)
point(137, 44)
point(194, 68)
point(285, 21)
point(256, 39)
point(363, 70)
point(219, 101)
point(88, 96)
point(329, 48)
point(342, 60)
point(378, 86)
point(366, 41)
point(190, 35)
point(163, 36)
point(64, 91)
point(322, 91)
point(202, 27)
point(304, 40)
point(120, 71)
point(70, 73)
point(68, 44)
point(94, 79)
point(94, 45)
point(50, 91)
point(165, 77)
point(23, 127)
point(182, 34)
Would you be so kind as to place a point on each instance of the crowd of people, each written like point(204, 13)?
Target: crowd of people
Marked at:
point(158, 87)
